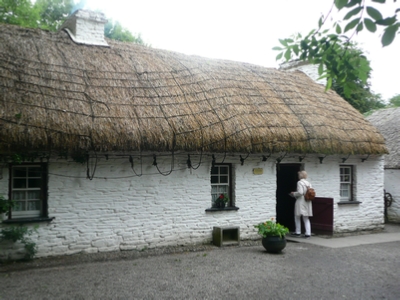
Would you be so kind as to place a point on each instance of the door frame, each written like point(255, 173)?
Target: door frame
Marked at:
point(286, 182)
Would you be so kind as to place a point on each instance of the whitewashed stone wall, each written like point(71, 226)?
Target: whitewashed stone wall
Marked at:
point(121, 211)
point(148, 211)
point(369, 214)
point(392, 186)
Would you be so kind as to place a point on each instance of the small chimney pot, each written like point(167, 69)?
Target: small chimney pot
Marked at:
point(86, 27)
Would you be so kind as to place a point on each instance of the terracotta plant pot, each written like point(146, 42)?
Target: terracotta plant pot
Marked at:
point(274, 244)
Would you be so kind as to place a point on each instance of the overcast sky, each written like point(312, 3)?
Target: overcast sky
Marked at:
point(243, 31)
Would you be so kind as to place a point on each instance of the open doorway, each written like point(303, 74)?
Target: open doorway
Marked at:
point(286, 178)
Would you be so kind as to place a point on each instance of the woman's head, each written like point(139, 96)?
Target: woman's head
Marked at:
point(302, 175)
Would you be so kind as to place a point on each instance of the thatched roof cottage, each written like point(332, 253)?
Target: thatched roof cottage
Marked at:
point(387, 122)
point(112, 146)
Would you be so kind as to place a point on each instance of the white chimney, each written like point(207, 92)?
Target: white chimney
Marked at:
point(86, 27)
point(309, 69)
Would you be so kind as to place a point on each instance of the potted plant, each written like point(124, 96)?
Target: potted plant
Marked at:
point(273, 235)
point(221, 201)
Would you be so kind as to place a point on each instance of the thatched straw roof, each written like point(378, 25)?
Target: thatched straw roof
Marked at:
point(55, 94)
point(388, 123)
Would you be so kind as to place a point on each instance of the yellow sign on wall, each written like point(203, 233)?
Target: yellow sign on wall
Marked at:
point(258, 171)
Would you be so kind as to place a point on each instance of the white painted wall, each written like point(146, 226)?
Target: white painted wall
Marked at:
point(369, 190)
point(148, 211)
point(392, 186)
point(120, 211)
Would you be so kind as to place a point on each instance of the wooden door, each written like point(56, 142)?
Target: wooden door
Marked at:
point(322, 220)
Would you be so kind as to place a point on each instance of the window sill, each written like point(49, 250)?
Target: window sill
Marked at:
point(212, 209)
point(349, 202)
point(27, 220)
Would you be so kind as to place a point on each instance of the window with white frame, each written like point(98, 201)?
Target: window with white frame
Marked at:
point(221, 182)
point(346, 183)
point(28, 190)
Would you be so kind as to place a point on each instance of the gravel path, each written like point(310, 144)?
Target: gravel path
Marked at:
point(302, 271)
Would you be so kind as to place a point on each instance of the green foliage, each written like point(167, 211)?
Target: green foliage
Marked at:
point(20, 234)
point(356, 90)
point(52, 13)
point(271, 228)
point(115, 31)
point(362, 13)
point(395, 100)
point(338, 60)
point(45, 14)
point(18, 12)
point(222, 198)
point(17, 158)
point(361, 97)
point(345, 67)
point(17, 233)
point(5, 205)
point(221, 201)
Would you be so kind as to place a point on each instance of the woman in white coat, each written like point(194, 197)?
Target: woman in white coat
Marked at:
point(302, 208)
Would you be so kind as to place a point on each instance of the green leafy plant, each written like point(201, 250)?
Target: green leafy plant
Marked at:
point(395, 100)
point(346, 69)
point(20, 234)
point(271, 228)
point(5, 205)
point(222, 200)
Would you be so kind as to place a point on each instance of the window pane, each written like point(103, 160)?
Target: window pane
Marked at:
point(19, 183)
point(33, 195)
point(214, 170)
point(33, 205)
point(18, 195)
point(19, 172)
point(34, 183)
point(214, 189)
point(214, 179)
point(344, 190)
point(223, 179)
point(345, 178)
point(223, 189)
point(34, 172)
point(214, 197)
point(19, 206)
point(223, 170)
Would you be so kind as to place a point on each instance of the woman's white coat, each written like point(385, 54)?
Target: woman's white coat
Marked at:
point(302, 207)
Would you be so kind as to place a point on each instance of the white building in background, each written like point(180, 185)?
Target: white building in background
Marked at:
point(387, 121)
